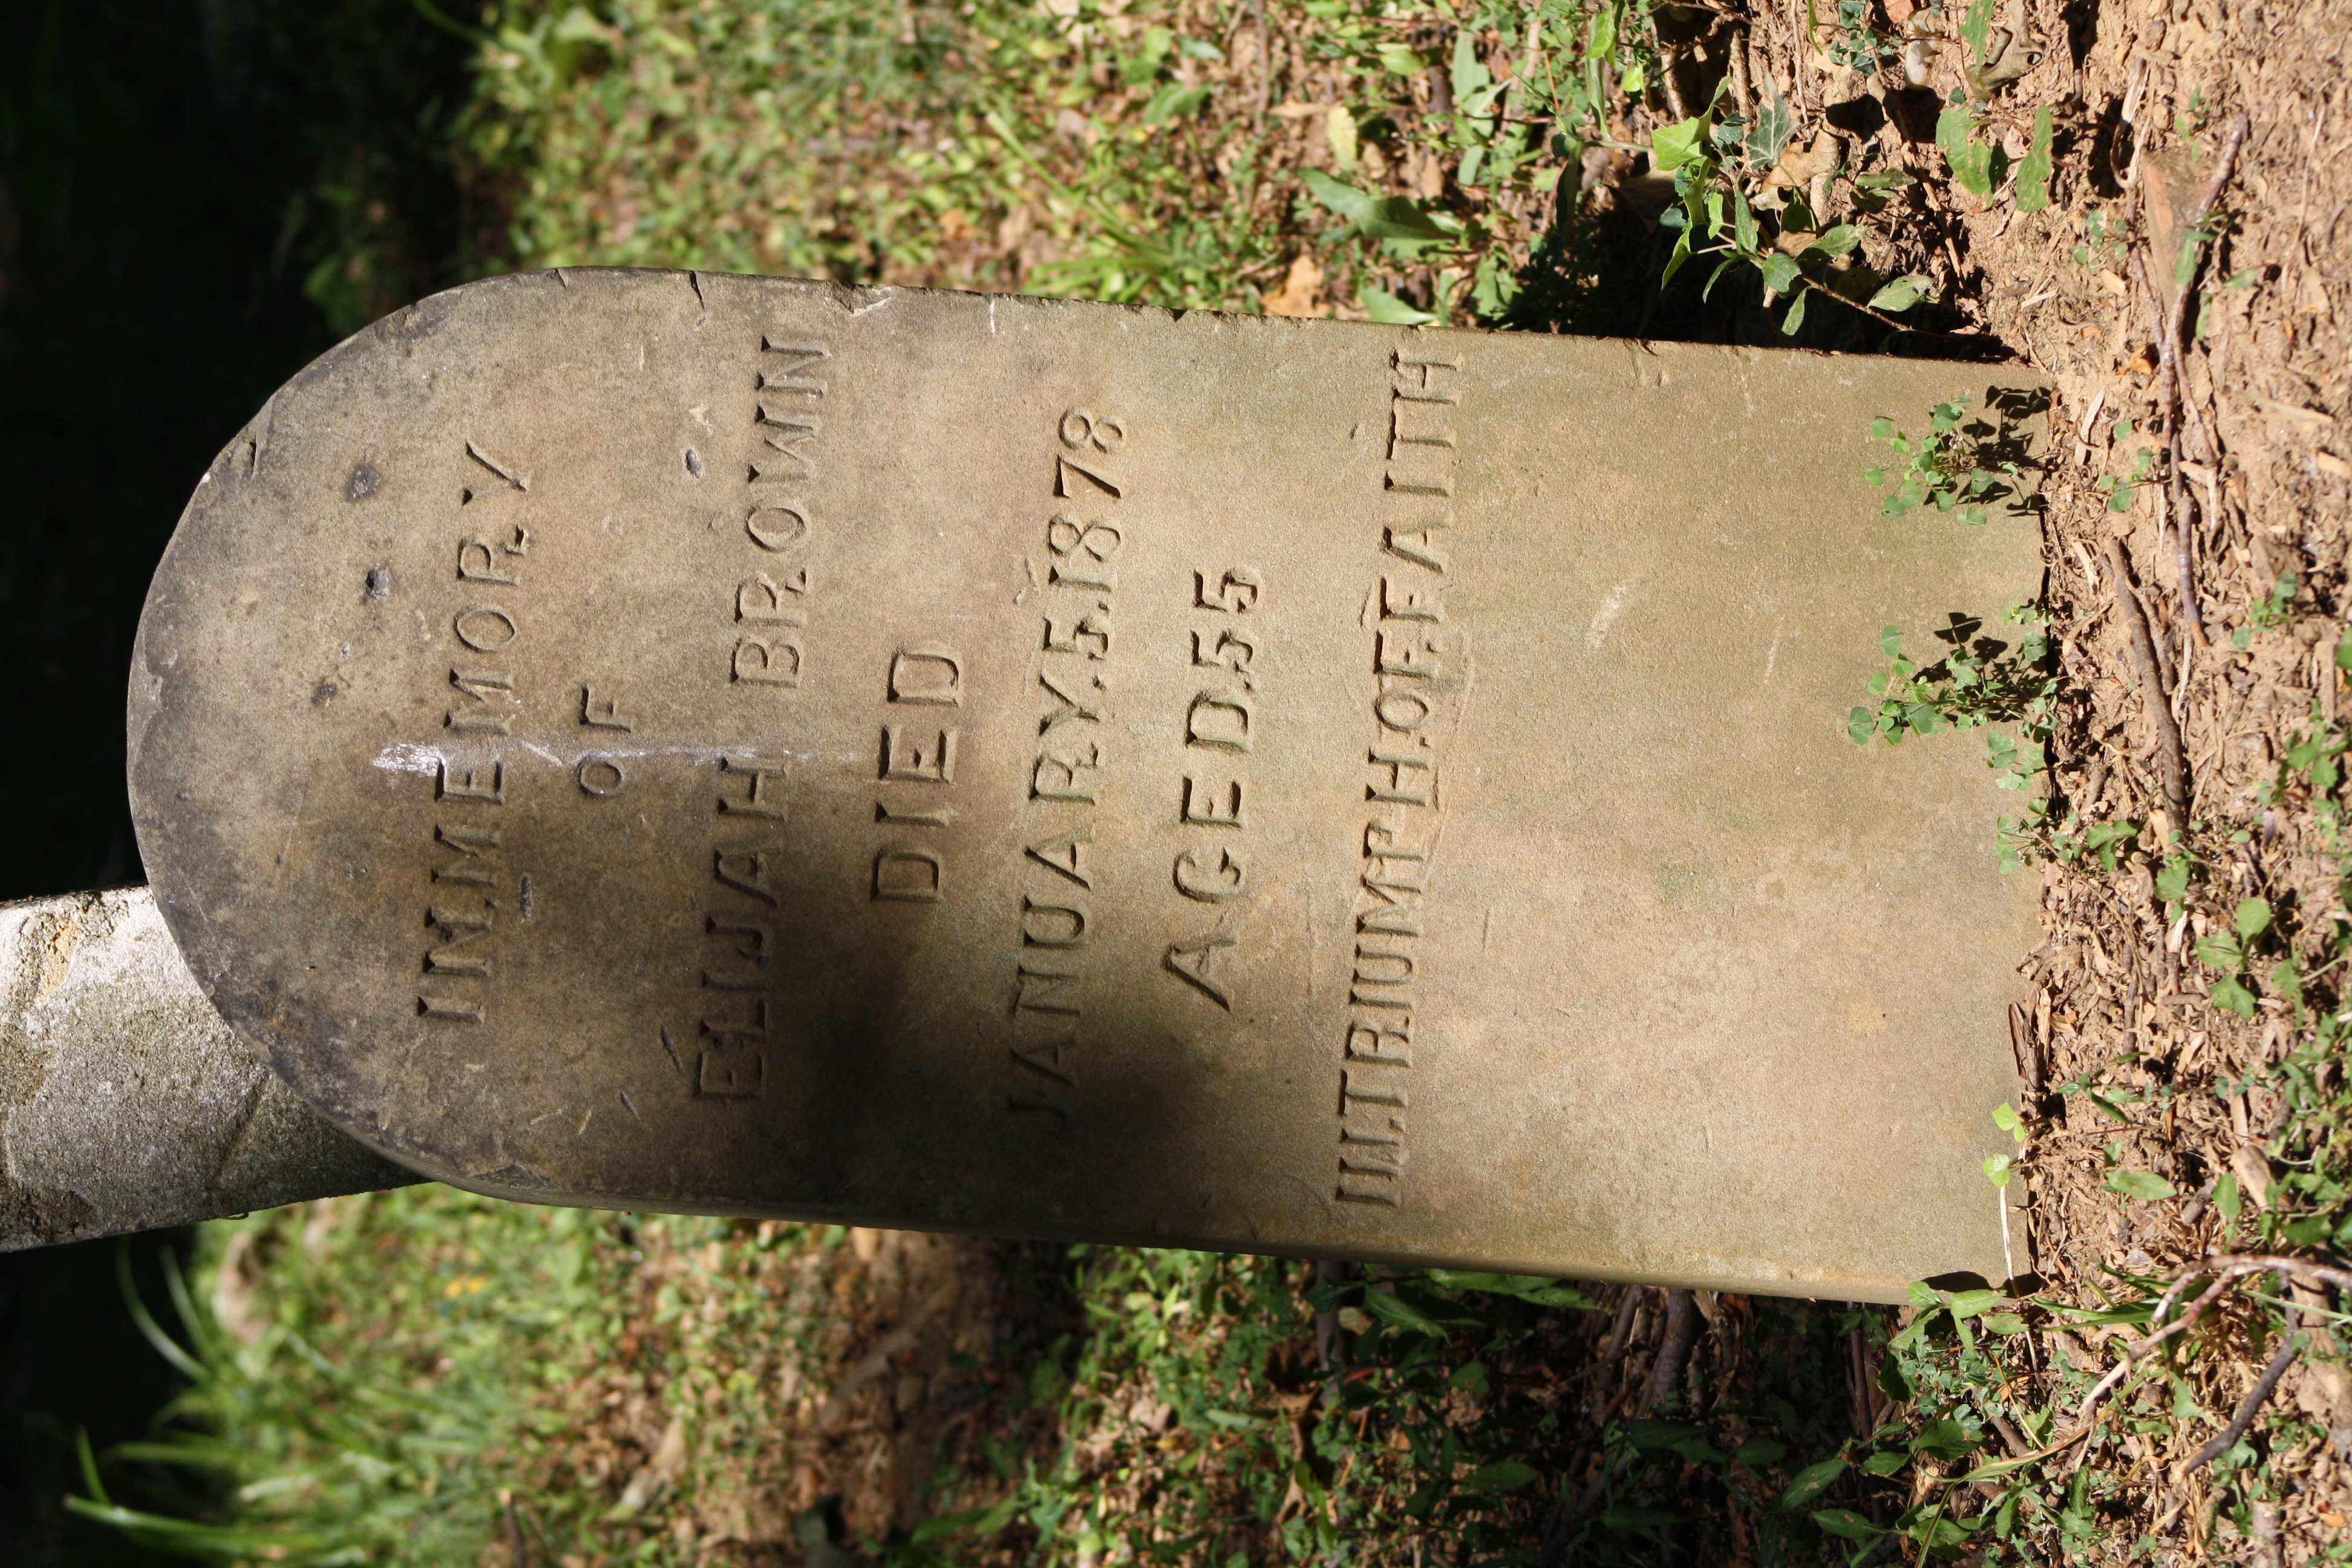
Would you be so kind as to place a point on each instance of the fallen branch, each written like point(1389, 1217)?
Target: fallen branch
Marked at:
point(1673, 1349)
point(2172, 382)
point(2247, 1408)
point(2175, 777)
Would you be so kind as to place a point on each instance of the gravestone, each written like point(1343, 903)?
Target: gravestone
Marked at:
point(734, 745)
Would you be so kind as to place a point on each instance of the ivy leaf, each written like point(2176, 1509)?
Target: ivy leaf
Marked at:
point(1389, 310)
point(1946, 1438)
point(1469, 75)
point(1398, 1313)
point(1836, 241)
point(2144, 1185)
point(2033, 174)
point(1813, 1481)
point(1795, 317)
point(1775, 123)
point(1344, 201)
point(1502, 1476)
point(1672, 146)
point(2228, 993)
point(2221, 951)
point(1845, 1521)
point(1173, 102)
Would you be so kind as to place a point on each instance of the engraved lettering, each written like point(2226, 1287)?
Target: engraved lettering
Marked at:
point(1236, 594)
point(1072, 707)
point(771, 661)
point(1082, 552)
point(759, 799)
point(457, 1008)
point(480, 561)
point(1062, 856)
point(763, 942)
point(1195, 881)
point(1411, 651)
point(1081, 429)
point(914, 761)
point(760, 600)
point(921, 675)
point(485, 629)
point(1415, 423)
point(457, 927)
point(473, 846)
point(793, 361)
point(1194, 961)
point(603, 713)
point(1417, 380)
point(786, 433)
point(1371, 1043)
point(1400, 710)
point(1050, 925)
point(1045, 1058)
point(908, 876)
point(468, 786)
point(1219, 720)
point(476, 685)
point(1090, 630)
point(1397, 911)
point(1408, 604)
point(1233, 651)
point(776, 525)
point(600, 776)
point(723, 1074)
point(1201, 803)
point(1415, 544)
point(746, 871)
point(1056, 778)
point(1046, 990)
point(1398, 766)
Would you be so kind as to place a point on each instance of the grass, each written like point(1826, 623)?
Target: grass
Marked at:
point(426, 1377)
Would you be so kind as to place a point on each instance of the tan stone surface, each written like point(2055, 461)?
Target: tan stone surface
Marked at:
point(740, 745)
point(125, 1102)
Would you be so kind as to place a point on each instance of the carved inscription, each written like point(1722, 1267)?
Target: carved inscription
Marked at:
point(467, 867)
point(768, 629)
point(917, 766)
point(727, 1057)
point(1221, 725)
point(1410, 655)
point(1083, 542)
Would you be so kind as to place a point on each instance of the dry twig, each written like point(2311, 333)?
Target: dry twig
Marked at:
point(2175, 777)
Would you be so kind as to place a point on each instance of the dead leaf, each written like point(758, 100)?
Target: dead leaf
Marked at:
point(1797, 169)
point(2254, 1174)
point(668, 1460)
point(1301, 286)
point(234, 1288)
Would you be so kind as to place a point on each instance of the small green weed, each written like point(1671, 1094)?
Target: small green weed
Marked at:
point(1944, 467)
point(1975, 682)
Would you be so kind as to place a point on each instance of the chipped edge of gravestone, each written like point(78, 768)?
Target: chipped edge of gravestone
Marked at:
point(126, 1103)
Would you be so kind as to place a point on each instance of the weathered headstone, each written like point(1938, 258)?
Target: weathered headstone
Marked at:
point(745, 746)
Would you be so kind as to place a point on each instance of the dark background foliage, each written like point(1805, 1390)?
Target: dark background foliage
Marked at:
point(197, 196)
